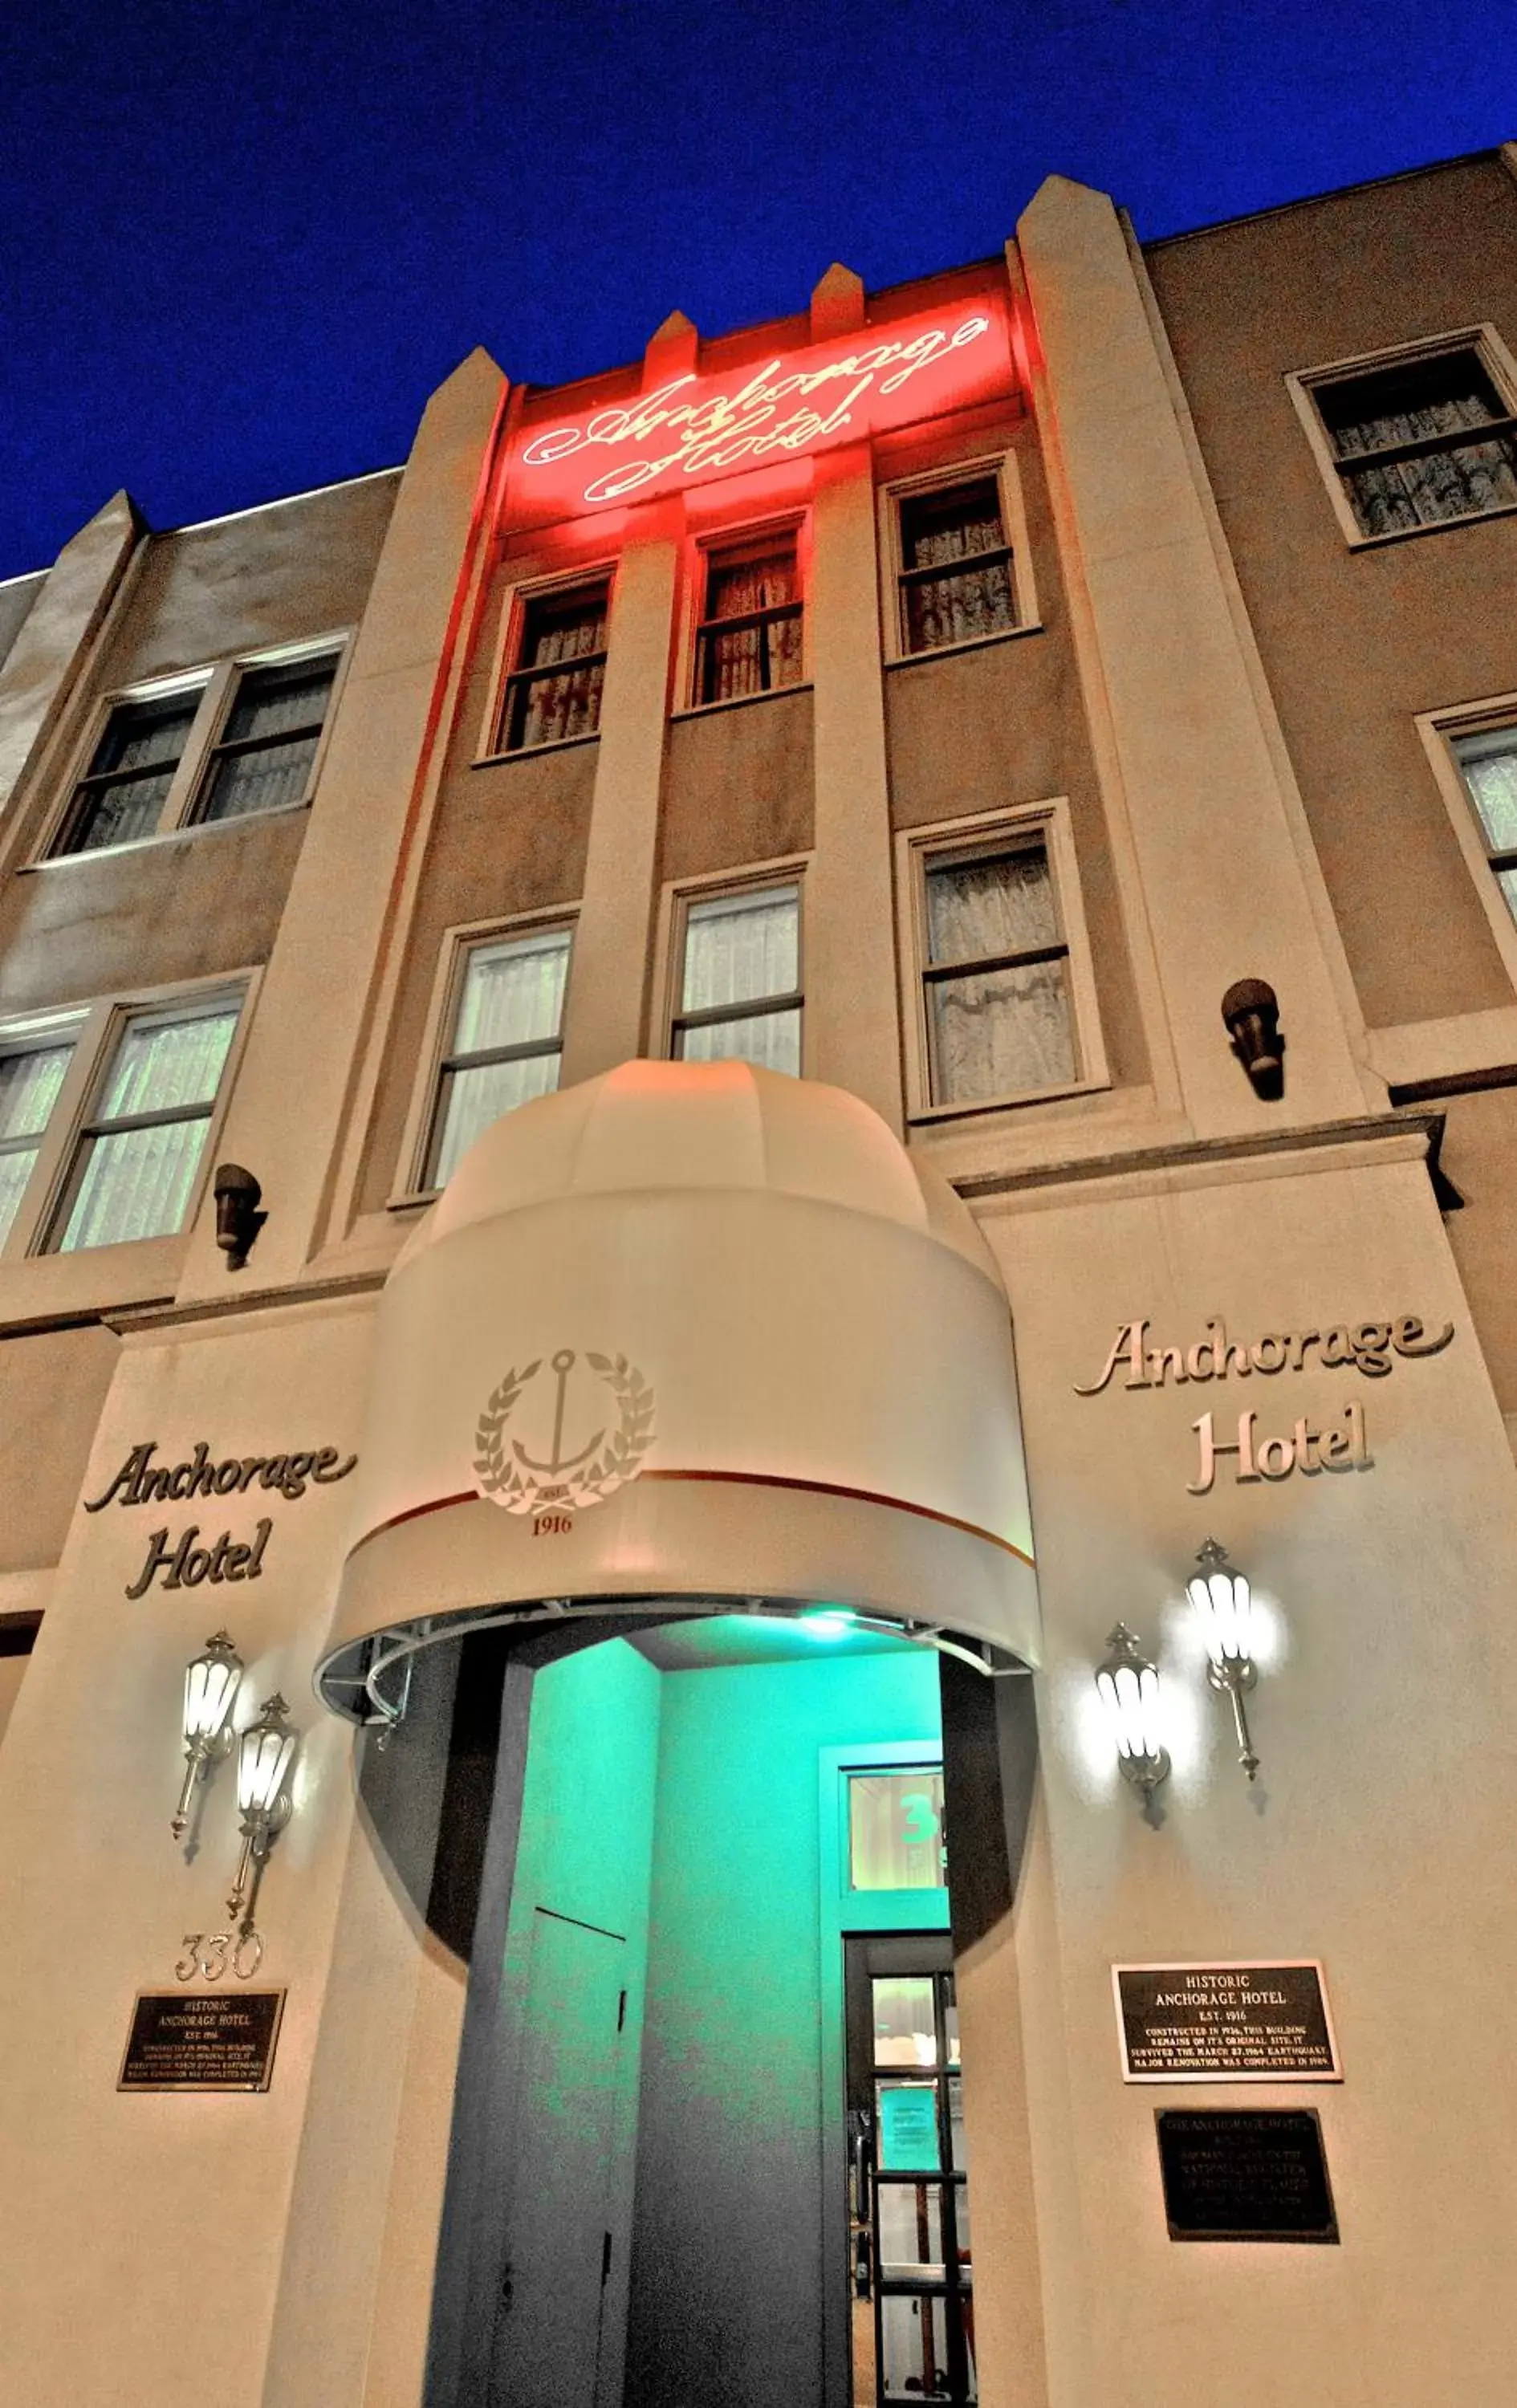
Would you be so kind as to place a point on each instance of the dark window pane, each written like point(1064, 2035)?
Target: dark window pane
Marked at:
point(141, 745)
point(951, 525)
point(142, 735)
point(550, 710)
point(1426, 402)
point(281, 701)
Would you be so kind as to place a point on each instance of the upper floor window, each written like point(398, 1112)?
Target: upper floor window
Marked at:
point(955, 574)
point(1420, 440)
point(554, 692)
point(749, 640)
point(239, 738)
point(105, 1113)
point(1005, 1000)
point(1488, 765)
point(503, 1040)
point(739, 977)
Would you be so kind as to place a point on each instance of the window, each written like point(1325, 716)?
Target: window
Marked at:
point(237, 740)
point(134, 1161)
point(504, 1038)
point(1488, 766)
point(749, 640)
point(262, 760)
point(553, 692)
point(739, 979)
point(1003, 1002)
point(1419, 440)
point(955, 568)
point(30, 1078)
point(105, 1112)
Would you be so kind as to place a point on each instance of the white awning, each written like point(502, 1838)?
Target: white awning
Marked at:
point(688, 1335)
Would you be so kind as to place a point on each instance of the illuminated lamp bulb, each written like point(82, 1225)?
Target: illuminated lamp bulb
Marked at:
point(1128, 1685)
point(827, 1625)
point(1224, 1604)
point(211, 1680)
point(264, 1757)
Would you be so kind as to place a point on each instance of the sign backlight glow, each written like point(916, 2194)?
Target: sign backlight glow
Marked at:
point(695, 429)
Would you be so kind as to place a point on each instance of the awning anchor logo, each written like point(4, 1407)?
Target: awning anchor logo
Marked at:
point(564, 1478)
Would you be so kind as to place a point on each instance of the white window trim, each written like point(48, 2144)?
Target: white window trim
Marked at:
point(698, 550)
point(217, 686)
point(675, 900)
point(458, 942)
point(1303, 384)
point(96, 1026)
point(915, 848)
point(1438, 729)
point(1003, 466)
point(515, 599)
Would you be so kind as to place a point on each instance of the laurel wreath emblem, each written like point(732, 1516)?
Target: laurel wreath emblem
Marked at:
point(517, 1487)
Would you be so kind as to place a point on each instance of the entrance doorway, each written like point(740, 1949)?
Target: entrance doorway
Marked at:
point(709, 2141)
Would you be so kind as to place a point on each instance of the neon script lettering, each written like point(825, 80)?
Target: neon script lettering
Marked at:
point(689, 429)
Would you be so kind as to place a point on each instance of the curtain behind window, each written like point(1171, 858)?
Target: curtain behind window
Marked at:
point(998, 1031)
point(550, 710)
point(738, 949)
point(751, 660)
point(135, 1182)
point(140, 750)
point(512, 994)
point(29, 1085)
point(940, 532)
point(279, 714)
point(1489, 764)
point(1430, 398)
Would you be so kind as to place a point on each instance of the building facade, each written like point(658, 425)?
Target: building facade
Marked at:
point(559, 1006)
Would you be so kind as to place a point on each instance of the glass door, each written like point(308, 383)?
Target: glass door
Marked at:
point(908, 2205)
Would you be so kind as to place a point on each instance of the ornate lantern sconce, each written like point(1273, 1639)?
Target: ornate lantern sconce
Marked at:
point(211, 1681)
point(1222, 1601)
point(1128, 1683)
point(264, 1757)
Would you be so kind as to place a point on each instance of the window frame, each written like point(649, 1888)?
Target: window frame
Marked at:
point(990, 832)
point(1304, 384)
point(1439, 731)
point(97, 1025)
point(217, 685)
point(458, 942)
point(506, 671)
point(1002, 465)
point(703, 549)
point(675, 903)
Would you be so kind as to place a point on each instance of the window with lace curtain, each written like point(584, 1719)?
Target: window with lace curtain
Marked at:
point(1420, 441)
point(737, 987)
point(1004, 1005)
point(1487, 761)
point(955, 582)
point(136, 1158)
point(503, 1039)
point(234, 740)
point(554, 692)
point(749, 639)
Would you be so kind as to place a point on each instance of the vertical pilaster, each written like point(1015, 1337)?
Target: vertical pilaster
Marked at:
point(853, 1013)
point(1220, 856)
point(55, 636)
point(603, 1021)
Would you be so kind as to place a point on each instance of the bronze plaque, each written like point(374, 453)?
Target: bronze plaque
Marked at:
point(1244, 2174)
point(202, 2040)
point(1253, 2021)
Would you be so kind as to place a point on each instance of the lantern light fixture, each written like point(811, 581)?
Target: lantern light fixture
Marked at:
point(211, 1681)
point(266, 1754)
point(1224, 1604)
point(1128, 1685)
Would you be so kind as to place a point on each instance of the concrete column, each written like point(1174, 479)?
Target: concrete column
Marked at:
point(55, 638)
point(286, 1114)
point(603, 1014)
point(1221, 846)
point(852, 1008)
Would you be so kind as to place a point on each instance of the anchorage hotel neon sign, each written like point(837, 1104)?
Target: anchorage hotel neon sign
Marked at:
point(696, 429)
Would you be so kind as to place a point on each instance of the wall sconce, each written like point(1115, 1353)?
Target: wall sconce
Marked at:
point(1129, 1689)
point(1251, 1008)
point(238, 1219)
point(211, 1687)
point(1222, 1600)
point(264, 1755)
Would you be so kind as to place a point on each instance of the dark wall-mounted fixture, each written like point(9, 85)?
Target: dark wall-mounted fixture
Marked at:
point(238, 1219)
point(1251, 1008)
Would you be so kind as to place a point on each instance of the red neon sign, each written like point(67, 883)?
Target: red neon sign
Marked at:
point(695, 429)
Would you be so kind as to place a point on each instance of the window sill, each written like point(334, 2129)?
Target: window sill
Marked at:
point(414, 1200)
point(1435, 526)
point(741, 701)
point(533, 751)
point(41, 1291)
point(934, 1115)
point(970, 644)
point(164, 836)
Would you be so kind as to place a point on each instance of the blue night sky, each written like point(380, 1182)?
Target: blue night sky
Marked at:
point(243, 244)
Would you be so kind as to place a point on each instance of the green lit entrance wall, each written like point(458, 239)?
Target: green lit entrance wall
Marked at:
point(721, 2135)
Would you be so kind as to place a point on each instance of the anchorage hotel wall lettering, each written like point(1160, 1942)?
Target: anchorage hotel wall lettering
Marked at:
point(181, 1558)
point(1314, 1444)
